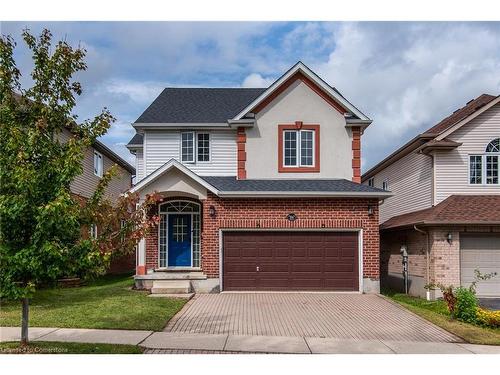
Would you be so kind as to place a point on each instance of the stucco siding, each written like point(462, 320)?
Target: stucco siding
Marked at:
point(163, 145)
point(299, 103)
point(410, 180)
point(452, 167)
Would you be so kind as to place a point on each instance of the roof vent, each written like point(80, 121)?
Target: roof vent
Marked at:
point(470, 101)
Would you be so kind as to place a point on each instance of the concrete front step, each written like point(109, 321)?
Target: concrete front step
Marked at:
point(171, 287)
point(177, 275)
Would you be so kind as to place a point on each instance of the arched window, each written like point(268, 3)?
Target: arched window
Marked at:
point(484, 168)
point(493, 146)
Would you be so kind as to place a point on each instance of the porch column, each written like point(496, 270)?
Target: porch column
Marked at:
point(141, 257)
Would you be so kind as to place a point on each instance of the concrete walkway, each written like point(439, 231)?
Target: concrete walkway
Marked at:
point(175, 342)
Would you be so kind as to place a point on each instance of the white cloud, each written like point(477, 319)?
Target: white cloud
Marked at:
point(407, 77)
point(142, 92)
point(256, 80)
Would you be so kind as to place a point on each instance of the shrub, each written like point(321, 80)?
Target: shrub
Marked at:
point(466, 305)
point(488, 318)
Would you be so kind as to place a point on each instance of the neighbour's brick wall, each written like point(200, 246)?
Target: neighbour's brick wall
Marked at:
point(445, 257)
point(271, 213)
point(391, 257)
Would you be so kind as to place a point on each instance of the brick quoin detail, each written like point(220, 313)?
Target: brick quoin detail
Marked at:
point(241, 140)
point(268, 213)
point(356, 154)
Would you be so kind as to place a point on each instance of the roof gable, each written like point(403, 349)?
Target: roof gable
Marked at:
point(302, 72)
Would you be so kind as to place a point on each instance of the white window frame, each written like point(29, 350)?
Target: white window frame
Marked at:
point(100, 166)
point(371, 182)
point(93, 231)
point(298, 145)
point(209, 148)
point(194, 148)
point(385, 184)
point(483, 169)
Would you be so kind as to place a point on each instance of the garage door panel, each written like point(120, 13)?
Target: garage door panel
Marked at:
point(291, 261)
point(480, 251)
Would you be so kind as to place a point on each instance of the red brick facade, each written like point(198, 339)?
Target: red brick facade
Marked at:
point(242, 155)
point(356, 154)
point(267, 213)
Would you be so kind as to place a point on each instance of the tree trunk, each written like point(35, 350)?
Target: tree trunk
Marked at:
point(24, 322)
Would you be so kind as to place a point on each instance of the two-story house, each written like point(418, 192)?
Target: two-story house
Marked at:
point(261, 190)
point(446, 203)
point(98, 159)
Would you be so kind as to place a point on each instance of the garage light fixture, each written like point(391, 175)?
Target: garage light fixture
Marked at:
point(370, 210)
point(449, 238)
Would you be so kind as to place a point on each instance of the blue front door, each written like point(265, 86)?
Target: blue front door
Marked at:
point(179, 240)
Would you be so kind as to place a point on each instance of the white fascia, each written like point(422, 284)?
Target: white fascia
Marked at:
point(311, 75)
point(171, 164)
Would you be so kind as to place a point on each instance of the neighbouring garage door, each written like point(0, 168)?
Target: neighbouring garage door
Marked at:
point(290, 261)
point(480, 251)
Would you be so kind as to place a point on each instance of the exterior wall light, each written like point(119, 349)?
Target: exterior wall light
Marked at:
point(449, 238)
point(211, 211)
point(370, 210)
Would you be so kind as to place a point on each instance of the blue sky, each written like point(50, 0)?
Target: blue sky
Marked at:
point(406, 76)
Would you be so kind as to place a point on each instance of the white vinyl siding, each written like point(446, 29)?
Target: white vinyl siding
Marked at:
point(85, 184)
point(139, 164)
point(452, 167)
point(163, 145)
point(410, 180)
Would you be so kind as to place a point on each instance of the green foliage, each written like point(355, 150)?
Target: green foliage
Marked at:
point(40, 220)
point(466, 305)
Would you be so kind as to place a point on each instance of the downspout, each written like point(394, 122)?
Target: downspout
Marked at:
point(427, 260)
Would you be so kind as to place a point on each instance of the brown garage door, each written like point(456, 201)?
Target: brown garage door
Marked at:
point(290, 261)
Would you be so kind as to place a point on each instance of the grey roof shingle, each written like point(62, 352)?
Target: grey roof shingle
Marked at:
point(198, 105)
point(137, 139)
point(230, 183)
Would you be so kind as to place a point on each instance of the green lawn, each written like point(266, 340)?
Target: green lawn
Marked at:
point(42, 347)
point(106, 303)
point(437, 313)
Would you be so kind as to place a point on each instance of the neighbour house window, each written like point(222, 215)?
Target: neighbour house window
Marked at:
point(385, 184)
point(371, 182)
point(298, 148)
point(484, 168)
point(93, 231)
point(98, 167)
point(187, 147)
point(203, 147)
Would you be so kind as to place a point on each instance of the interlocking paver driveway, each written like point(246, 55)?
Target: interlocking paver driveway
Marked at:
point(343, 316)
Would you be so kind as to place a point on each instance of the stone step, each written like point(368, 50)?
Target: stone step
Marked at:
point(171, 287)
point(178, 275)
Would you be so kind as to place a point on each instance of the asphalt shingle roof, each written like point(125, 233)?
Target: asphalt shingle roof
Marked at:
point(137, 139)
point(456, 209)
point(230, 183)
point(198, 105)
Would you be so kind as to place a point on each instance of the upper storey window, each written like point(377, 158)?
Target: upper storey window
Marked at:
point(483, 169)
point(298, 148)
point(98, 164)
point(195, 147)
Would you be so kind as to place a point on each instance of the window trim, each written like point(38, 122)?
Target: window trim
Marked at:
point(298, 126)
point(93, 231)
point(483, 169)
point(101, 158)
point(209, 148)
point(194, 148)
point(386, 183)
point(371, 182)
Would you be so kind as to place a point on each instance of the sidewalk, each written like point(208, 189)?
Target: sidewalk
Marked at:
point(190, 342)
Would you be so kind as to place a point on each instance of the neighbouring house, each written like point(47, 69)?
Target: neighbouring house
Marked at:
point(446, 202)
point(98, 160)
point(261, 190)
